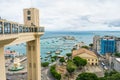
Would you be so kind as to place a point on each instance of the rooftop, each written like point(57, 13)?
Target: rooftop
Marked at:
point(118, 59)
point(83, 50)
point(108, 37)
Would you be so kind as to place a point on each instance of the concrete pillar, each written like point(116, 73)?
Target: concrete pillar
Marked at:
point(33, 59)
point(2, 64)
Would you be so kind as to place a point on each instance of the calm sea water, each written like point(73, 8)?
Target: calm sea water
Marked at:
point(52, 41)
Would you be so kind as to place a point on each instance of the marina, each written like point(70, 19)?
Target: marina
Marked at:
point(56, 43)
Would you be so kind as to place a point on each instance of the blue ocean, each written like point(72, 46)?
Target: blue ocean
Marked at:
point(53, 41)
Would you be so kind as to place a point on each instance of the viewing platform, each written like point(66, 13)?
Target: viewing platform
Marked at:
point(11, 31)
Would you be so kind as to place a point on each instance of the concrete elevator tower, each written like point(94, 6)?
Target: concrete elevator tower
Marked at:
point(31, 18)
point(12, 33)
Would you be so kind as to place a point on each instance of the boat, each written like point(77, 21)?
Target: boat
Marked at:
point(57, 52)
point(60, 56)
point(49, 52)
point(45, 59)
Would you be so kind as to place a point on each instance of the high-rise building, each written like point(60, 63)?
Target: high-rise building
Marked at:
point(107, 44)
point(118, 45)
point(31, 18)
point(96, 43)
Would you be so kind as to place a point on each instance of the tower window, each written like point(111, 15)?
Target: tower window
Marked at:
point(28, 12)
point(28, 18)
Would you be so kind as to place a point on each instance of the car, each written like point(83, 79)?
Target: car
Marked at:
point(105, 68)
point(103, 64)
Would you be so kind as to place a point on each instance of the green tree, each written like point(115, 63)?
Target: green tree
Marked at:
point(73, 49)
point(79, 61)
point(117, 54)
point(86, 47)
point(102, 78)
point(106, 73)
point(54, 73)
point(52, 60)
point(91, 45)
point(110, 73)
point(54, 57)
point(62, 60)
point(45, 64)
point(58, 76)
point(69, 55)
point(71, 67)
point(115, 76)
point(87, 76)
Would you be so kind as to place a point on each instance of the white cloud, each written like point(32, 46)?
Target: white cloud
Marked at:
point(66, 14)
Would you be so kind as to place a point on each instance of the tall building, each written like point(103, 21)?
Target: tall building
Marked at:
point(31, 17)
point(118, 45)
point(96, 43)
point(13, 33)
point(107, 44)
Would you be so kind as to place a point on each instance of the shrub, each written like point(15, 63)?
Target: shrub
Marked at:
point(54, 73)
point(45, 64)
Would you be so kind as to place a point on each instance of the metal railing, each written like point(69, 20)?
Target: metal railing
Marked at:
point(19, 29)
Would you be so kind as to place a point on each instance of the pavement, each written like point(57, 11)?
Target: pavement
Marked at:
point(22, 74)
point(95, 69)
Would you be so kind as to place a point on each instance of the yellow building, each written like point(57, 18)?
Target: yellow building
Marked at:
point(90, 56)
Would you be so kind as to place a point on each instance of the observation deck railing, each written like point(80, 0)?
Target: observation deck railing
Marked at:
point(8, 28)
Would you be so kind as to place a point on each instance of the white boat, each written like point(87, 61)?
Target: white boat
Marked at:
point(49, 52)
point(57, 52)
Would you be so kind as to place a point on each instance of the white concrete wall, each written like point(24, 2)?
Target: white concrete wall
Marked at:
point(116, 65)
point(118, 46)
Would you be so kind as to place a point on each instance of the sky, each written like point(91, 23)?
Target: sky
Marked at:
point(67, 15)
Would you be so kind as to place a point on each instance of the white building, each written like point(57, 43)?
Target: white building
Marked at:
point(116, 63)
point(96, 43)
point(118, 45)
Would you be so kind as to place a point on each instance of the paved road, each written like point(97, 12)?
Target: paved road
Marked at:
point(22, 74)
point(47, 75)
